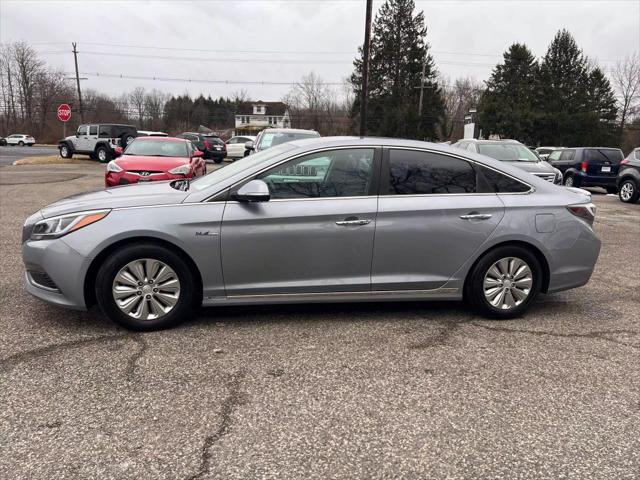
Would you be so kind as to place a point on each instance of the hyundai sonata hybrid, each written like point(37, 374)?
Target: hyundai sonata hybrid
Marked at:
point(320, 220)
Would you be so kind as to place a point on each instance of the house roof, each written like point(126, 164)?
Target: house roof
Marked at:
point(272, 108)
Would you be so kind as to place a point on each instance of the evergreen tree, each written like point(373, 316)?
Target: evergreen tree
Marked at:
point(577, 103)
point(398, 52)
point(508, 105)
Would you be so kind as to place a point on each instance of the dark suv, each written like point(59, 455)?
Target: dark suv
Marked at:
point(588, 166)
point(629, 177)
point(98, 140)
point(211, 145)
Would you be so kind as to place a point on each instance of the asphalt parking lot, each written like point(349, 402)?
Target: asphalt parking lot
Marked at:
point(10, 154)
point(396, 390)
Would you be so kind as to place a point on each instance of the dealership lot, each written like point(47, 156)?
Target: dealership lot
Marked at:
point(416, 390)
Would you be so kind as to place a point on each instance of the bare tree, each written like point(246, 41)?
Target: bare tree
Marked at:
point(626, 79)
point(28, 68)
point(137, 101)
point(240, 96)
point(154, 108)
point(458, 97)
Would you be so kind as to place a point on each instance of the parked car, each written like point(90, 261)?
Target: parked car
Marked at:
point(296, 223)
point(148, 159)
point(513, 152)
point(98, 140)
point(236, 145)
point(588, 166)
point(211, 145)
point(543, 152)
point(628, 181)
point(149, 133)
point(271, 137)
point(19, 139)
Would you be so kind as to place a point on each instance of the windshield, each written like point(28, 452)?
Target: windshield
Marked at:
point(276, 138)
point(508, 152)
point(150, 147)
point(238, 166)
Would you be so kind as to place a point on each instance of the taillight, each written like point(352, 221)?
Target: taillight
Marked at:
point(206, 144)
point(586, 211)
point(583, 167)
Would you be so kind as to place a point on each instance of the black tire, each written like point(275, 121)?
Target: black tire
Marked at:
point(612, 190)
point(474, 291)
point(629, 192)
point(21, 143)
point(568, 181)
point(126, 139)
point(30, 145)
point(116, 261)
point(103, 154)
point(247, 153)
point(65, 151)
point(217, 160)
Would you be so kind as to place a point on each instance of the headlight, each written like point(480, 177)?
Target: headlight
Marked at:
point(112, 166)
point(181, 170)
point(56, 227)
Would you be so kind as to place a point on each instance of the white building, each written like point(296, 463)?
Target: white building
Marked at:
point(255, 116)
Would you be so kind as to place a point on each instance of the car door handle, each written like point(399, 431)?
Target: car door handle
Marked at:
point(476, 216)
point(346, 223)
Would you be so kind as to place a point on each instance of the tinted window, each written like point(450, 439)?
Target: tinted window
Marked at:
point(93, 130)
point(336, 173)
point(603, 155)
point(415, 173)
point(500, 183)
point(105, 131)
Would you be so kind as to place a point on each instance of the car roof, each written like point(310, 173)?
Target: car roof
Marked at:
point(492, 142)
point(288, 130)
point(162, 139)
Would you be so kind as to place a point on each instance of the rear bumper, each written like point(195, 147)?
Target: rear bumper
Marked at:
point(586, 180)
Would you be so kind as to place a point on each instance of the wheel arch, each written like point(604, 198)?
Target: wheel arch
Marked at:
point(92, 271)
point(546, 273)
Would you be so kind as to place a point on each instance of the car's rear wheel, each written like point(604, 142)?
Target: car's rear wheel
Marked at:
point(126, 139)
point(65, 151)
point(568, 181)
point(103, 154)
point(217, 160)
point(504, 282)
point(145, 287)
point(21, 143)
point(628, 191)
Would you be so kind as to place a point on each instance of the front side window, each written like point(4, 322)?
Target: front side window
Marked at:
point(82, 130)
point(414, 172)
point(555, 155)
point(335, 173)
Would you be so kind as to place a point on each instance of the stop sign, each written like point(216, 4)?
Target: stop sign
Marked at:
point(64, 112)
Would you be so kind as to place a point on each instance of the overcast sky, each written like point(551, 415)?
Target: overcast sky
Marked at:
point(279, 41)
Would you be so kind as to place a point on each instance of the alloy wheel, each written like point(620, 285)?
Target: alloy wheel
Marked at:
point(102, 155)
point(569, 181)
point(146, 289)
point(507, 283)
point(626, 191)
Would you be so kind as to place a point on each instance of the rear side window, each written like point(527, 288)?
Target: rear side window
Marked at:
point(500, 183)
point(637, 153)
point(603, 155)
point(93, 130)
point(413, 172)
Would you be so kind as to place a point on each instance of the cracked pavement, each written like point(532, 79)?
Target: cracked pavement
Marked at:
point(375, 390)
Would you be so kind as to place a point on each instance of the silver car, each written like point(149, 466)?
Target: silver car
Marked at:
point(319, 220)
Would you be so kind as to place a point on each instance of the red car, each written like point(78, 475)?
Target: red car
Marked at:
point(155, 158)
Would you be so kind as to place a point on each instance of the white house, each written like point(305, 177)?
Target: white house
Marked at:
point(255, 116)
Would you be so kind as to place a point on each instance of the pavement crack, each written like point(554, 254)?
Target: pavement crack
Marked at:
point(441, 338)
point(9, 363)
point(601, 334)
point(234, 399)
point(132, 363)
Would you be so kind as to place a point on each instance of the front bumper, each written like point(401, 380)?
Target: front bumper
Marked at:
point(113, 179)
point(65, 268)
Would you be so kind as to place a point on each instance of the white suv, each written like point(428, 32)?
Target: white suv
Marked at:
point(19, 139)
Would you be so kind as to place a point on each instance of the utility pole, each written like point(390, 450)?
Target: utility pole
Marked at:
point(365, 70)
point(421, 87)
point(75, 59)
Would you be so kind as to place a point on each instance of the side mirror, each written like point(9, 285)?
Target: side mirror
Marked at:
point(198, 153)
point(77, 134)
point(118, 151)
point(249, 145)
point(253, 191)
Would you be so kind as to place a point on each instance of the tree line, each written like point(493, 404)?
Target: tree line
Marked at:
point(564, 98)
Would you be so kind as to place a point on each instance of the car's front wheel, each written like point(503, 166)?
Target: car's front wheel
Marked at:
point(145, 287)
point(568, 181)
point(504, 282)
point(65, 152)
point(21, 143)
point(628, 192)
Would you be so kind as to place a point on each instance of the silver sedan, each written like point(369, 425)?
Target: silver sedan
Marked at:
point(320, 220)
